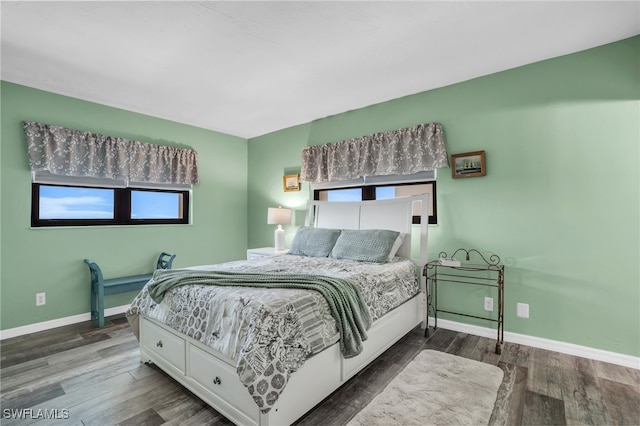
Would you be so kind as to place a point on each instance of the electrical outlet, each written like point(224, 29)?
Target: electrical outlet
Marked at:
point(522, 310)
point(488, 304)
point(40, 299)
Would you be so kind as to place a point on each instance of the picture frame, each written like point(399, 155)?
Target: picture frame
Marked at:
point(291, 182)
point(468, 164)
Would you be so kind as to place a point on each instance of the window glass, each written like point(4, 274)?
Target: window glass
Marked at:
point(385, 192)
point(156, 205)
point(63, 202)
point(348, 194)
point(67, 205)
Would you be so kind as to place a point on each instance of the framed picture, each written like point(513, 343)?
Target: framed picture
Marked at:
point(468, 164)
point(291, 183)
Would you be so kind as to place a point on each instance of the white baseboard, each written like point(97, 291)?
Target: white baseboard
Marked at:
point(521, 339)
point(538, 342)
point(48, 325)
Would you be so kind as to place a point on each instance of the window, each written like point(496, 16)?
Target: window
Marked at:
point(382, 192)
point(64, 205)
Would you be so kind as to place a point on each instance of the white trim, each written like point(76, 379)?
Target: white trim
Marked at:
point(538, 342)
point(522, 339)
point(60, 322)
point(425, 176)
point(46, 178)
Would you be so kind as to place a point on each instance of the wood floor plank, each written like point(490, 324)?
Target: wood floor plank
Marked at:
point(377, 375)
point(184, 405)
point(28, 397)
point(617, 373)
point(514, 353)
point(463, 345)
point(103, 411)
point(96, 373)
point(62, 372)
point(583, 400)
point(440, 339)
point(485, 351)
point(207, 416)
point(622, 401)
point(542, 410)
point(39, 352)
point(22, 368)
point(545, 373)
point(333, 411)
point(130, 345)
point(511, 394)
point(69, 400)
point(457, 344)
point(143, 370)
point(93, 375)
point(148, 417)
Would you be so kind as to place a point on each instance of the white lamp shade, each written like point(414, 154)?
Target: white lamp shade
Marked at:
point(279, 216)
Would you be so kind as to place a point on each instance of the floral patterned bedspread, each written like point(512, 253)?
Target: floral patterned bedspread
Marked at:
point(268, 333)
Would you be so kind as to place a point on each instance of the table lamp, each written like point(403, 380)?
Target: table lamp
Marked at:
point(279, 216)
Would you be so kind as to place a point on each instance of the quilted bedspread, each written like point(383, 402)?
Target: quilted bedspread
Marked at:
point(269, 332)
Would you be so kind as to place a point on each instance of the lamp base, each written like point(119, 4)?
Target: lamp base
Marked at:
point(279, 239)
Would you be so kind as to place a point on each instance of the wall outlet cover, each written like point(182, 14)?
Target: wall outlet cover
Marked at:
point(522, 310)
point(488, 304)
point(40, 299)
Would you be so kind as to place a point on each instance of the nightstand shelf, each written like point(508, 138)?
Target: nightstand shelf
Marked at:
point(256, 253)
point(489, 273)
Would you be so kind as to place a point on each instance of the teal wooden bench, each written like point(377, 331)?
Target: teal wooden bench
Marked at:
point(101, 287)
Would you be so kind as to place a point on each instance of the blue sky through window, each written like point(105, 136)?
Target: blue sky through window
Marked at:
point(60, 202)
point(155, 205)
point(385, 192)
point(354, 194)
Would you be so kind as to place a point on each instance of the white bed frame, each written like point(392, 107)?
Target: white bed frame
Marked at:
point(213, 378)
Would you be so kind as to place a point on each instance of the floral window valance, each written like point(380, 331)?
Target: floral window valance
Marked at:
point(67, 152)
point(398, 152)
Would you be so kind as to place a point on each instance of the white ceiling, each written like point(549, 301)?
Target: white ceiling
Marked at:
point(250, 68)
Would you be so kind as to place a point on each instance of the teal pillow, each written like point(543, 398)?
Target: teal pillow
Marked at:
point(316, 242)
point(365, 245)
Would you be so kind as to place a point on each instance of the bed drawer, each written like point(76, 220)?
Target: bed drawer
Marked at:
point(164, 344)
point(221, 379)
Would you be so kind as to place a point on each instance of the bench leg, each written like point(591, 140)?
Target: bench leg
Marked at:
point(98, 315)
point(94, 303)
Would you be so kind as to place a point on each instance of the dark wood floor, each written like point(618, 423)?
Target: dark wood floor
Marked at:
point(97, 376)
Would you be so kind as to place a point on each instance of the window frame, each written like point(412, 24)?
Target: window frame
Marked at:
point(369, 193)
point(121, 208)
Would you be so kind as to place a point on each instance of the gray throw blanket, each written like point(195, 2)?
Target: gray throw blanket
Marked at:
point(344, 298)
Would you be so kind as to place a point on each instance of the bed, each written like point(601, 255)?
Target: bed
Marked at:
point(267, 355)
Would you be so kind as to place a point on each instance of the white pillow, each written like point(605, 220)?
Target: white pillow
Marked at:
point(396, 246)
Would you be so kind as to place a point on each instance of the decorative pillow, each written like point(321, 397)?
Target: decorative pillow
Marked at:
point(365, 245)
point(316, 242)
point(396, 246)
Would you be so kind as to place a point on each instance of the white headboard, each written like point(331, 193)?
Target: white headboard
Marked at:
point(395, 214)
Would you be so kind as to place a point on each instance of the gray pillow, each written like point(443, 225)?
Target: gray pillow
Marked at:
point(365, 245)
point(316, 242)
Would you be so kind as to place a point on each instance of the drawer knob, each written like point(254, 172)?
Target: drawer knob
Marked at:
point(217, 381)
point(159, 344)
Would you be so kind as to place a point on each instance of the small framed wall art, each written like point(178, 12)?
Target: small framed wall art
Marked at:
point(291, 182)
point(468, 164)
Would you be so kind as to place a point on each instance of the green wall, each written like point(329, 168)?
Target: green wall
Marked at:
point(50, 260)
point(270, 158)
point(560, 202)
